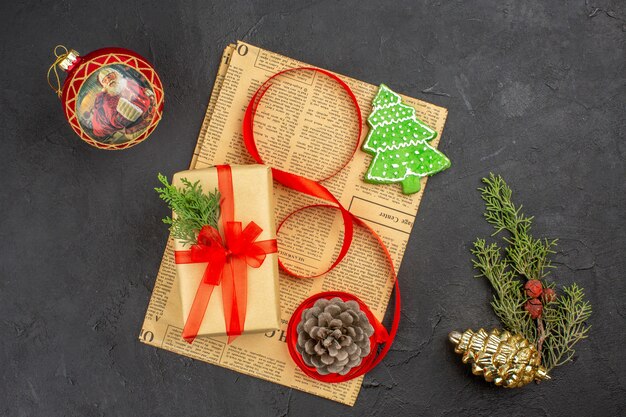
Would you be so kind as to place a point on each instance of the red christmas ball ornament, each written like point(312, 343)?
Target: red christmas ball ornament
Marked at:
point(533, 288)
point(112, 97)
point(534, 307)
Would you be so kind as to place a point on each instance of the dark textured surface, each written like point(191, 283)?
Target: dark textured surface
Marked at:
point(535, 92)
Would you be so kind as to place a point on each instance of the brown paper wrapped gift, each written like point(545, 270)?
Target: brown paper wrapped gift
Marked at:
point(253, 202)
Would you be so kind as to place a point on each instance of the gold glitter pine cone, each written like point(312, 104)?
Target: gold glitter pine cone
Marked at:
point(507, 360)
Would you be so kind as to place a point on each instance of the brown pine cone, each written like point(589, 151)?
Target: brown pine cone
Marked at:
point(334, 336)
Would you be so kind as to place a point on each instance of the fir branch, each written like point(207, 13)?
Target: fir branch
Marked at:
point(192, 208)
point(528, 256)
point(565, 321)
point(509, 297)
point(562, 322)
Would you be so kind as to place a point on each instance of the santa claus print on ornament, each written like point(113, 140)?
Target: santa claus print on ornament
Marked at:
point(115, 104)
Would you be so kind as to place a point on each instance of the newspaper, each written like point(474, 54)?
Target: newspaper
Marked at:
point(305, 124)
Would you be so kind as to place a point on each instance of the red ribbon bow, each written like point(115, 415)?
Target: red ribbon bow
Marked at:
point(228, 262)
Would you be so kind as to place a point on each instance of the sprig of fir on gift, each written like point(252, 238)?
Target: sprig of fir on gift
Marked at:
point(193, 208)
point(525, 300)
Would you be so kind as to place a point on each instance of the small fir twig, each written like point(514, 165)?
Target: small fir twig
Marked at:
point(528, 256)
point(192, 208)
point(509, 297)
point(565, 323)
point(560, 320)
point(541, 332)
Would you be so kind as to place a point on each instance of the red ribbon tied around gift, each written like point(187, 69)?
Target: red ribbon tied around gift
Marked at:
point(228, 261)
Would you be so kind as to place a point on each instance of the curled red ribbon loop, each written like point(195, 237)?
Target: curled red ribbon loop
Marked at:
point(315, 189)
point(228, 261)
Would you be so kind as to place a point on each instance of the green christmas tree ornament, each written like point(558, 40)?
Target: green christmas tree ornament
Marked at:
point(399, 142)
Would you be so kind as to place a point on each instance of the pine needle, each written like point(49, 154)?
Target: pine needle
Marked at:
point(192, 208)
point(509, 296)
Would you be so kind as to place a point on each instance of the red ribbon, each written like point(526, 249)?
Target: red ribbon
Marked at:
point(315, 189)
point(228, 262)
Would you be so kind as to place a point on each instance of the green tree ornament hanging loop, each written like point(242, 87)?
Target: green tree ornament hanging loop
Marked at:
point(399, 142)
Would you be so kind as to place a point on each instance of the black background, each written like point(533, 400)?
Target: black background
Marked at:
point(535, 92)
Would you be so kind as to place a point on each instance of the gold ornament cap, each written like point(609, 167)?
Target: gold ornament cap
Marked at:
point(64, 60)
point(70, 59)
